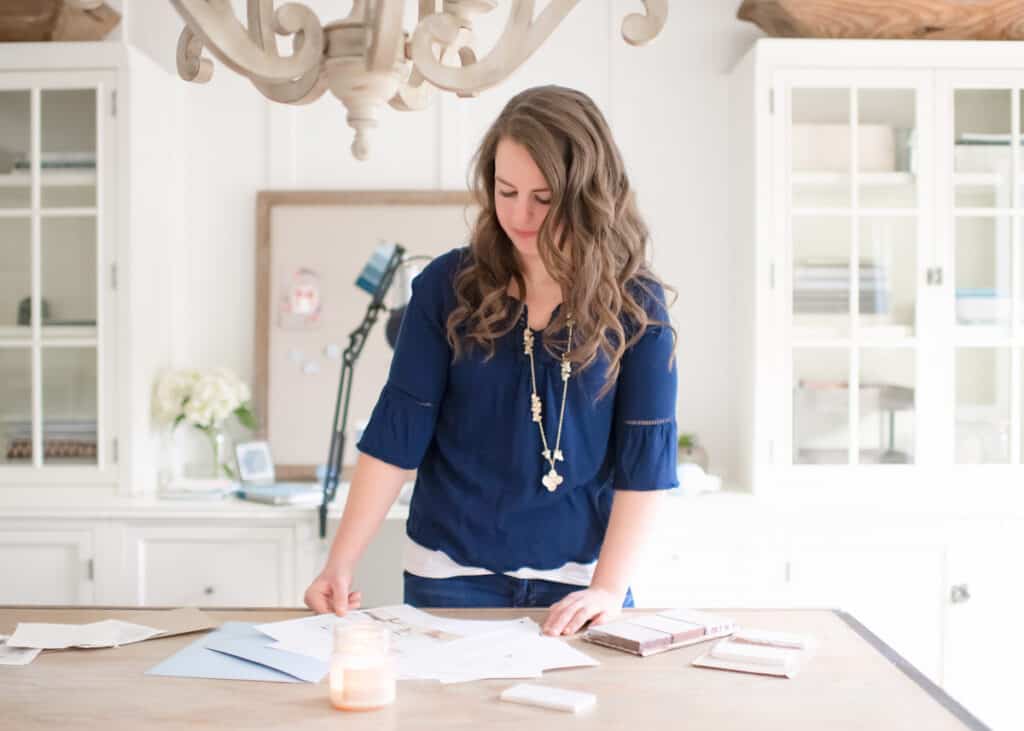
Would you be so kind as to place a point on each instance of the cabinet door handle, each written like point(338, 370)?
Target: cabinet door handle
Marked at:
point(208, 590)
point(959, 593)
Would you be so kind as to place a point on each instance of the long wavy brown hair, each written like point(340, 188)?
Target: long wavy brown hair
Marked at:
point(599, 258)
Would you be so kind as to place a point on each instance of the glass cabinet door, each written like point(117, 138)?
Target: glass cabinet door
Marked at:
point(853, 220)
point(980, 139)
point(50, 263)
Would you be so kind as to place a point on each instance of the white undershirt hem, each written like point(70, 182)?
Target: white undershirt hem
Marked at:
point(431, 564)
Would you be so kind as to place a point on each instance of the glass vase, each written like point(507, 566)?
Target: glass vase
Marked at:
point(221, 464)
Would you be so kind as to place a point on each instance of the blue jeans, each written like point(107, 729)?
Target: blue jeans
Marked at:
point(489, 590)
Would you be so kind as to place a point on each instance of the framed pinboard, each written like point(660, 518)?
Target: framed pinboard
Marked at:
point(310, 249)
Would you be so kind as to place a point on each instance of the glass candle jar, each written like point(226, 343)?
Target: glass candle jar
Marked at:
point(362, 670)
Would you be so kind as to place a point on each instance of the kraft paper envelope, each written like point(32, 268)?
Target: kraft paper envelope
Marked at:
point(127, 627)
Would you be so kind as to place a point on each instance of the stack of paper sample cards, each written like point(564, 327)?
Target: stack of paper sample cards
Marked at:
point(759, 651)
point(647, 634)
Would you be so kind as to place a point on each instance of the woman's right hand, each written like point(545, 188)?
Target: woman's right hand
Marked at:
point(329, 592)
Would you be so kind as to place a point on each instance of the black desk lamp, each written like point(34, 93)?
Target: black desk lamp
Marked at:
point(376, 279)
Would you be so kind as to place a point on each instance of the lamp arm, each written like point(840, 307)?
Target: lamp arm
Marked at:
point(357, 339)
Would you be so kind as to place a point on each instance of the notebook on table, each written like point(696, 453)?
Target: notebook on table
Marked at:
point(258, 482)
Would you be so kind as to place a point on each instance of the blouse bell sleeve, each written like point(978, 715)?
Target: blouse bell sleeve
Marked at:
point(403, 420)
point(645, 410)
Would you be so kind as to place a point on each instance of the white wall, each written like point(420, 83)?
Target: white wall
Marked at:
point(668, 107)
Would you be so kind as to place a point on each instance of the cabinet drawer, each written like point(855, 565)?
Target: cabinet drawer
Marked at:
point(212, 566)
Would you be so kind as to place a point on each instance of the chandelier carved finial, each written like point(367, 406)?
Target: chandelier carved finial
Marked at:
point(367, 59)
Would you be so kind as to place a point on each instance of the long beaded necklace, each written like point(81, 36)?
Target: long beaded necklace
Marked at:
point(552, 479)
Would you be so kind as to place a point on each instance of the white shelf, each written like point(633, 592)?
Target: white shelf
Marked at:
point(893, 179)
point(50, 178)
point(50, 332)
point(827, 180)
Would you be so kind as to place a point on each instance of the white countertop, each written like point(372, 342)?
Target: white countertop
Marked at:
point(974, 502)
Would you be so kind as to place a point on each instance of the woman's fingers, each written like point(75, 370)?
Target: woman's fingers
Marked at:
point(560, 614)
point(316, 598)
point(578, 619)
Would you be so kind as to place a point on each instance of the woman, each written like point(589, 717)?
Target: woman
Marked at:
point(533, 387)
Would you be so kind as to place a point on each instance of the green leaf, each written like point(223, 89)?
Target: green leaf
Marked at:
point(246, 418)
point(178, 419)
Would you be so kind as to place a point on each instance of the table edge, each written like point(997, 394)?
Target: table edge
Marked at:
point(923, 681)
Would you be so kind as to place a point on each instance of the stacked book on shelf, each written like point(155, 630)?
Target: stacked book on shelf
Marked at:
point(59, 161)
point(62, 439)
point(822, 286)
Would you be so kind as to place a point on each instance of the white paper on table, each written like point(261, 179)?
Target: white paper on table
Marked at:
point(437, 648)
point(515, 653)
point(108, 633)
point(16, 655)
point(309, 636)
point(413, 631)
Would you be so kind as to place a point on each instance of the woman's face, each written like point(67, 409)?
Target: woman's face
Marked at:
point(521, 195)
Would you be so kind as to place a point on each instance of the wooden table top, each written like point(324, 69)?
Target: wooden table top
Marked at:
point(853, 682)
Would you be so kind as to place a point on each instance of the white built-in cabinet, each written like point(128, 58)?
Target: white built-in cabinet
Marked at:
point(876, 219)
point(90, 182)
point(878, 205)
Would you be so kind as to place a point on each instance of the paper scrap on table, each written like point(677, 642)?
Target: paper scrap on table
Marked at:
point(438, 648)
point(108, 633)
point(16, 655)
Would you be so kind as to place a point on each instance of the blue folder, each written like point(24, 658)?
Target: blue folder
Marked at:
point(241, 654)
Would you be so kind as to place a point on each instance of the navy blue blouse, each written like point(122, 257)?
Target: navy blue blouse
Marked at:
point(466, 426)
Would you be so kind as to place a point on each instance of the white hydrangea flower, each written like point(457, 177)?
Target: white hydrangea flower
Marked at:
point(173, 388)
point(215, 396)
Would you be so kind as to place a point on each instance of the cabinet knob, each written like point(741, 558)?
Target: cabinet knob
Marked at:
point(208, 590)
point(959, 593)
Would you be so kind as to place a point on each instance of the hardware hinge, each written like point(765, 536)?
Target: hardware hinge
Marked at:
point(113, 276)
point(113, 103)
point(771, 275)
point(934, 276)
point(113, 451)
point(90, 570)
point(771, 101)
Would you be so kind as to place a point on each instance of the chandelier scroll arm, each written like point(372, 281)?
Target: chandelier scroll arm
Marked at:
point(640, 29)
point(213, 22)
point(191, 64)
point(264, 26)
point(522, 36)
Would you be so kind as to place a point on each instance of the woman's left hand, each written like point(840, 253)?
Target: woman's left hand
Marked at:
point(595, 605)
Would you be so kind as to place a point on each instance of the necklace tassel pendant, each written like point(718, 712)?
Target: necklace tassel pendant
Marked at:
point(552, 480)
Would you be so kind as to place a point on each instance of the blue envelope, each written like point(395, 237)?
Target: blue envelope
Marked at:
point(237, 651)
